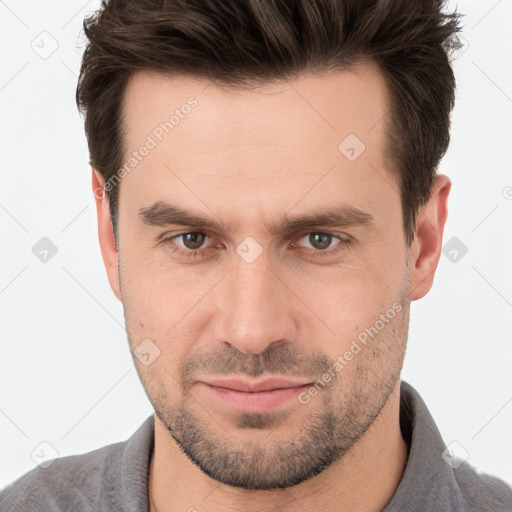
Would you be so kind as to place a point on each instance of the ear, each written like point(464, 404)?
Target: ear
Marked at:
point(428, 241)
point(105, 232)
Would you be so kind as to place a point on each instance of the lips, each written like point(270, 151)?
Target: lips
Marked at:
point(254, 386)
point(253, 396)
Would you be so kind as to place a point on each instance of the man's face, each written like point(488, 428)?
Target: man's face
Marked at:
point(253, 294)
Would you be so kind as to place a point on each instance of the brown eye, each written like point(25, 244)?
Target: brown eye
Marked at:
point(193, 240)
point(322, 244)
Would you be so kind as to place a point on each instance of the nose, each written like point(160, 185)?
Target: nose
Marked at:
point(255, 309)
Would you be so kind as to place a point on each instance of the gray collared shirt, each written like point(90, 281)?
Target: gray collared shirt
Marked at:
point(115, 477)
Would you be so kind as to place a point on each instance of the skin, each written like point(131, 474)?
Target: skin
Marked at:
point(247, 158)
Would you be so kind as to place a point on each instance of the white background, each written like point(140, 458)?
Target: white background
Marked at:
point(67, 377)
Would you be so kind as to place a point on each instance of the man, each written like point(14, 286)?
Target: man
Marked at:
point(268, 207)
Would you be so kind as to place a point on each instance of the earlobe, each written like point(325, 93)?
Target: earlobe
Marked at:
point(428, 241)
point(105, 232)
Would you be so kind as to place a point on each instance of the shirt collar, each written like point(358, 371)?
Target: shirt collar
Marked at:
point(428, 481)
point(135, 464)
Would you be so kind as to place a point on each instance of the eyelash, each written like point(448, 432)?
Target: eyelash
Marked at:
point(169, 241)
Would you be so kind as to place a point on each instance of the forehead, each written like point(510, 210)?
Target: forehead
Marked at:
point(345, 101)
point(259, 146)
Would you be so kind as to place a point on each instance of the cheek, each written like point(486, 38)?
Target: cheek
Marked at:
point(350, 299)
point(161, 308)
point(151, 290)
point(158, 350)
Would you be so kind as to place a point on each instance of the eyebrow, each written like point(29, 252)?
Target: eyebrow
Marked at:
point(161, 213)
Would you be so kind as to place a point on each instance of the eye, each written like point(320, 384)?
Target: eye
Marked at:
point(319, 241)
point(190, 244)
point(322, 243)
point(193, 244)
point(192, 240)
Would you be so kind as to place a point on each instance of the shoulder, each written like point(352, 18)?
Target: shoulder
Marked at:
point(433, 478)
point(483, 492)
point(76, 482)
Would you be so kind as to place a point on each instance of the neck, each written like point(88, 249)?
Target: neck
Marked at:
point(364, 479)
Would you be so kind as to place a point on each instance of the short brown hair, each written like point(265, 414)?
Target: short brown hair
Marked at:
point(237, 42)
